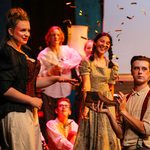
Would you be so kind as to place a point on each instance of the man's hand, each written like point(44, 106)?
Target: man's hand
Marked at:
point(122, 102)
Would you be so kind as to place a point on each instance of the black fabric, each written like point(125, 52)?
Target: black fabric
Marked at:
point(13, 73)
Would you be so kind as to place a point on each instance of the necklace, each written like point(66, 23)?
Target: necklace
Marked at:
point(12, 44)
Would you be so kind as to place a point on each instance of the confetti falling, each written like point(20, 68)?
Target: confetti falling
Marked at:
point(121, 8)
point(68, 3)
point(80, 13)
point(118, 30)
point(143, 11)
point(130, 17)
point(133, 3)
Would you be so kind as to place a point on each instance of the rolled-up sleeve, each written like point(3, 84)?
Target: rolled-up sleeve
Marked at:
point(71, 58)
point(113, 74)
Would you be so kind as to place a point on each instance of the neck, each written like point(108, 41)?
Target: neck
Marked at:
point(14, 44)
point(99, 56)
point(55, 48)
point(63, 120)
point(138, 87)
point(17, 47)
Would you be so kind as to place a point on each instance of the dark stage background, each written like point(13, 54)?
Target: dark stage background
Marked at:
point(43, 14)
point(46, 13)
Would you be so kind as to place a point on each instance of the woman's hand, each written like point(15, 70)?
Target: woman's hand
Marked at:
point(36, 102)
point(85, 113)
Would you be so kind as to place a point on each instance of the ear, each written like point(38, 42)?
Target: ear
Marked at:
point(69, 112)
point(10, 31)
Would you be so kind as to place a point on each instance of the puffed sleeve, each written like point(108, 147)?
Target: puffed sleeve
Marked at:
point(8, 70)
point(84, 67)
point(71, 57)
point(113, 74)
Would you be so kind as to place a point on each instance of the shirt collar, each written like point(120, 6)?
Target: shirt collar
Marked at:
point(141, 91)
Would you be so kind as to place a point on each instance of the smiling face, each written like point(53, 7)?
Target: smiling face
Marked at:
point(102, 45)
point(141, 72)
point(20, 33)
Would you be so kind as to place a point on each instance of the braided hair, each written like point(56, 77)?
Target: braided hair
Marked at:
point(110, 52)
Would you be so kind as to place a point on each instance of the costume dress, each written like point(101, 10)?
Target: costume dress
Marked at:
point(95, 132)
point(18, 129)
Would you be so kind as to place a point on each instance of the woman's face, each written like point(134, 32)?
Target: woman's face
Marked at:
point(103, 44)
point(21, 33)
point(55, 37)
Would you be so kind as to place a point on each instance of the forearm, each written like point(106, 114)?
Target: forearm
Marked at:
point(16, 96)
point(135, 123)
point(46, 81)
point(116, 127)
point(86, 84)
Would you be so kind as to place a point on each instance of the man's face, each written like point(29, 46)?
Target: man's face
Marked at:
point(140, 71)
point(63, 109)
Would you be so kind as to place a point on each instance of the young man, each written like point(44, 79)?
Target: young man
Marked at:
point(135, 108)
point(62, 131)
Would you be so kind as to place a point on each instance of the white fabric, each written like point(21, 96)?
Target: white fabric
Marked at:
point(67, 59)
point(57, 134)
point(20, 131)
point(134, 107)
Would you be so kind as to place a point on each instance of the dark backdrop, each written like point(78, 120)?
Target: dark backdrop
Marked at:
point(43, 14)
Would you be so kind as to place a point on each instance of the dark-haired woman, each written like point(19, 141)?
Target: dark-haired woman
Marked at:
point(98, 127)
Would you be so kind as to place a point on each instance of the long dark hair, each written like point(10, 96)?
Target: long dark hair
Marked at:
point(110, 52)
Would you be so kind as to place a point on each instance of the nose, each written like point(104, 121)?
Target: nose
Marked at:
point(105, 44)
point(27, 33)
point(140, 70)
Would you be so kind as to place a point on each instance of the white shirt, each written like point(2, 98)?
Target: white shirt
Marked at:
point(134, 107)
point(57, 134)
point(67, 59)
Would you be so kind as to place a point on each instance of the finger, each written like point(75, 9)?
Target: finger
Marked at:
point(93, 107)
point(98, 105)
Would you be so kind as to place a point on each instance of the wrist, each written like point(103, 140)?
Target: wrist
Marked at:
point(123, 112)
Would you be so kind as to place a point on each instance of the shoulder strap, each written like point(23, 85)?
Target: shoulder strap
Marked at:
point(144, 107)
